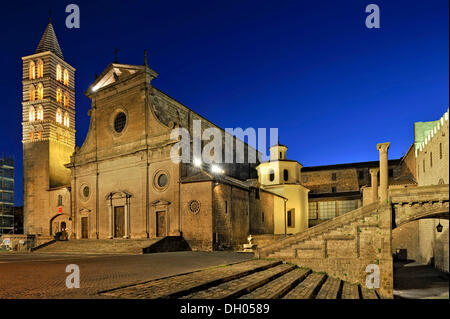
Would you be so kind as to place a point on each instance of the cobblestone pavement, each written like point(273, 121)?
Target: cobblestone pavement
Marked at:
point(255, 279)
point(44, 276)
point(413, 280)
point(170, 287)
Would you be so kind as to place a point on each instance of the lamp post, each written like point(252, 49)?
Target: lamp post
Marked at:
point(439, 227)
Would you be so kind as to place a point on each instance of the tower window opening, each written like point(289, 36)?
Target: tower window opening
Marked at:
point(66, 119)
point(272, 176)
point(32, 93)
point(40, 91)
point(58, 116)
point(40, 113)
point(32, 75)
point(40, 69)
point(58, 73)
point(58, 95)
point(31, 114)
point(431, 159)
point(286, 175)
point(66, 99)
point(440, 150)
point(66, 77)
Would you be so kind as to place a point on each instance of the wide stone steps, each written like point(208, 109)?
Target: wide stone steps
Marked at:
point(255, 279)
point(238, 287)
point(279, 286)
point(100, 246)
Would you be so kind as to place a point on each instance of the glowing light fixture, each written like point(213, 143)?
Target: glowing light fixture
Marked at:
point(216, 169)
point(197, 162)
point(439, 227)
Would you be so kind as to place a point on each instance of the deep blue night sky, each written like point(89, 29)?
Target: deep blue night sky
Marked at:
point(311, 68)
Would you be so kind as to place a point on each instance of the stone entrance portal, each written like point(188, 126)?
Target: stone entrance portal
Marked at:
point(84, 228)
point(119, 222)
point(119, 214)
point(161, 224)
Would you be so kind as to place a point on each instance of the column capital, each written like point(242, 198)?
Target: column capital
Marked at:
point(374, 170)
point(383, 147)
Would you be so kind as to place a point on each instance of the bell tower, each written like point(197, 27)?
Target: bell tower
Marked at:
point(48, 128)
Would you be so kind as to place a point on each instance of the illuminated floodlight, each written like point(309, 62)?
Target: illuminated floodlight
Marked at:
point(216, 169)
point(197, 162)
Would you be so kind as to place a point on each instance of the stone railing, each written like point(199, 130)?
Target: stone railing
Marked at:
point(420, 202)
point(319, 229)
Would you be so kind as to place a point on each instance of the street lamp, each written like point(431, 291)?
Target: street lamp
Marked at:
point(439, 227)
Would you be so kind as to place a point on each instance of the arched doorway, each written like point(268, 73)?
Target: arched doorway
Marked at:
point(60, 223)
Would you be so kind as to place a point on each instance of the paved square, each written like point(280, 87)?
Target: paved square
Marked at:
point(43, 275)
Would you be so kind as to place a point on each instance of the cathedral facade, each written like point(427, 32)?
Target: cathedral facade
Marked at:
point(122, 181)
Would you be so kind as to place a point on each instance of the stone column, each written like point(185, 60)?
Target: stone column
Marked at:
point(374, 183)
point(111, 233)
point(383, 149)
point(126, 218)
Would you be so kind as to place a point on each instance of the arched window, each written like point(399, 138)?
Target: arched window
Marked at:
point(66, 99)
point(40, 91)
point(32, 93)
point(66, 119)
point(286, 175)
point(40, 68)
point(58, 116)
point(66, 77)
point(40, 113)
point(32, 70)
point(58, 73)
point(271, 175)
point(58, 95)
point(31, 114)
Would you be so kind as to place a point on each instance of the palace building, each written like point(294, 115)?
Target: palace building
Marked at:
point(121, 182)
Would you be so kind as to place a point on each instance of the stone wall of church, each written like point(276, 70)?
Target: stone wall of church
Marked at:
point(197, 215)
point(171, 112)
point(230, 217)
point(262, 210)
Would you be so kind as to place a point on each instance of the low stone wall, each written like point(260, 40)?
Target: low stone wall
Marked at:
point(21, 242)
point(17, 242)
point(265, 239)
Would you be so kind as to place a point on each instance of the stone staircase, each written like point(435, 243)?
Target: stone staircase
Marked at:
point(255, 279)
point(99, 246)
point(310, 241)
point(342, 247)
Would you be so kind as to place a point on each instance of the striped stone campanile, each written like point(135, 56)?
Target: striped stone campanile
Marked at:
point(48, 130)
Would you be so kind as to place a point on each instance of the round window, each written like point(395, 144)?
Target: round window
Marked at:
point(194, 206)
point(162, 180)
point(119, 122)
point(86, 191)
